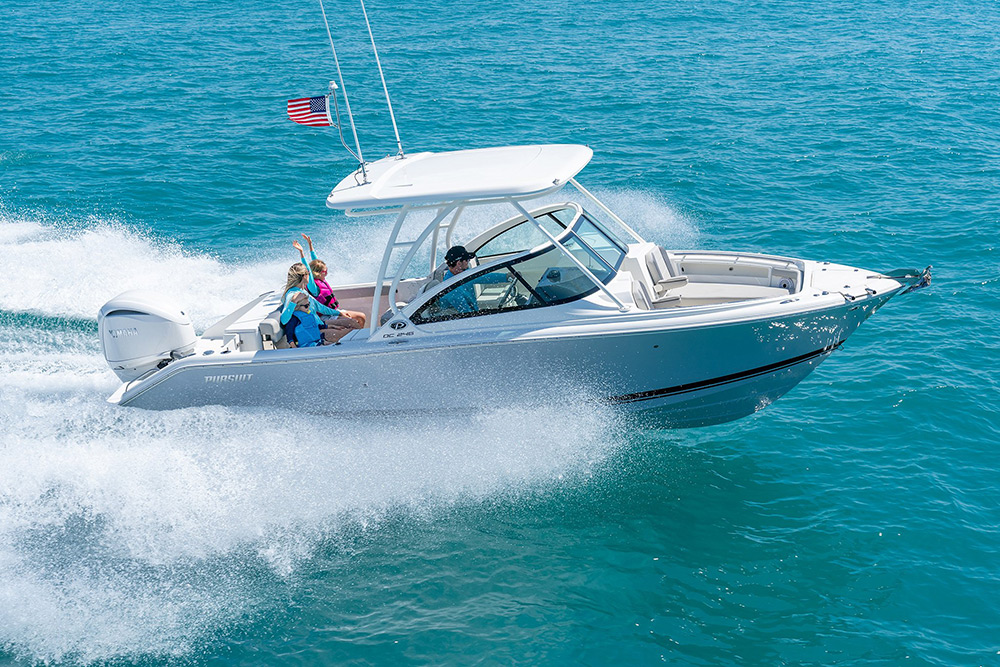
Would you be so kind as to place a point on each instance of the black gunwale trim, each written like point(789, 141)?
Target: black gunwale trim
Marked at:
point(725, 379)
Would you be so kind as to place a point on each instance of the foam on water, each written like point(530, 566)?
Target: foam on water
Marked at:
point(126, 533)
point(72, 270)
point(69, 270)
point(652, 216)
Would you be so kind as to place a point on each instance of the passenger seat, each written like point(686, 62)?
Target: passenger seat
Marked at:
point(643, 300)
point(664, 279)
point(272, 334)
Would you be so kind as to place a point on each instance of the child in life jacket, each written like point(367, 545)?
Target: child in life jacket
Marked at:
point(300, 307)
point(319, 288)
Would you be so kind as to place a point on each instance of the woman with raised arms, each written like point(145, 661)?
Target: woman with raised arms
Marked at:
point(300, 312)
point(319, 288)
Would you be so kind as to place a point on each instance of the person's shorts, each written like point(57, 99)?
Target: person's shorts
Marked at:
point(342, 323)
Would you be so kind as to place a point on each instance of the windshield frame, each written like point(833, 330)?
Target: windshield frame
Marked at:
point(509, 225)
point(509, 263)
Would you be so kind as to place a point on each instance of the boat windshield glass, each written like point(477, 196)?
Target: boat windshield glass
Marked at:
point(524, 236)
point(545, 278)
point(608, 246)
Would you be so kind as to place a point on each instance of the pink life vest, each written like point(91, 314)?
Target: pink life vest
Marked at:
point(325, 295)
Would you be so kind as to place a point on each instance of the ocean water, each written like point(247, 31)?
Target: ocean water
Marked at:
point(855, 521)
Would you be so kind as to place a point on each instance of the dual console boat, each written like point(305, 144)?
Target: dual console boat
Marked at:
point(563, 303)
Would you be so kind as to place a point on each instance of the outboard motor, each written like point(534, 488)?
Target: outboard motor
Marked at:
point(140, 332)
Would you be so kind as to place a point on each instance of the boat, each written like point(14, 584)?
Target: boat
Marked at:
point(570, 304)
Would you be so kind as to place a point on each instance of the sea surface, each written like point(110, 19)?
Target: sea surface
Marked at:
point(855, 521)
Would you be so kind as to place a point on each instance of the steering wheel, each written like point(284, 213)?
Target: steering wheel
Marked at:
point(509, 294)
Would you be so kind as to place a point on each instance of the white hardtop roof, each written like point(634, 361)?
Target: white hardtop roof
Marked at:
point(482, 173)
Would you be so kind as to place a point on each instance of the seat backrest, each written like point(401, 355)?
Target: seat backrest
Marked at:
point(429, 285)
point(270, 330)
point(658, 264)
point(640, 293)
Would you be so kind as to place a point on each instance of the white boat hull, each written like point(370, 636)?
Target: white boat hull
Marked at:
point(685, 376)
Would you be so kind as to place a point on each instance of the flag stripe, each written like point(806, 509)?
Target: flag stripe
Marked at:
point(309, 111)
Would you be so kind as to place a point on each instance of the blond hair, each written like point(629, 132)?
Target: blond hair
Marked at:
point(296, 273)
point(317, 265)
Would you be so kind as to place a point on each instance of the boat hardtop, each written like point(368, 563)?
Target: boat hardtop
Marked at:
point(467, 175)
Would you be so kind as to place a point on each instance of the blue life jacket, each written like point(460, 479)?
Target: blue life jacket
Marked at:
point(303, 329)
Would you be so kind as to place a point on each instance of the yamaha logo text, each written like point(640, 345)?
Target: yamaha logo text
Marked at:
point(122, 333)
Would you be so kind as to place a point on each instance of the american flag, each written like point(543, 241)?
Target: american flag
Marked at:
point(309, 111)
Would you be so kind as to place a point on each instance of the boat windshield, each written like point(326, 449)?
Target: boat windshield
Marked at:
point(524, 236)
point(609, 247)
point(543, 278)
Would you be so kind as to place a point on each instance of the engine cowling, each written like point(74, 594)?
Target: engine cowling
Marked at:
point(140, 331)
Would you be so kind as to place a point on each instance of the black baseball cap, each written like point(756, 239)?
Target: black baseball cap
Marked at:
point(457, 254)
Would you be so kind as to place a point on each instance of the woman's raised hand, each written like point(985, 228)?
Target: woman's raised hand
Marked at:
point(309, 241)
point(298, 246)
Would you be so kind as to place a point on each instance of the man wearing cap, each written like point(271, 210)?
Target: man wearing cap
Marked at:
point(463, 297)
point(457, 258)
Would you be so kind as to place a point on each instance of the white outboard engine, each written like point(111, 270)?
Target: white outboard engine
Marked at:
point(141, 332)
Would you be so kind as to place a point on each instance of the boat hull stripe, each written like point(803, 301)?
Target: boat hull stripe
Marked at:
point(725, 379)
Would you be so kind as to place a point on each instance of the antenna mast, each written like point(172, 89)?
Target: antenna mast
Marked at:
point(392, 116)
point(347, 102)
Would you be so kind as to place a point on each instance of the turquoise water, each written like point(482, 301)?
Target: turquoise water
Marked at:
point(857, 520)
